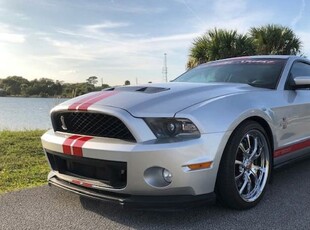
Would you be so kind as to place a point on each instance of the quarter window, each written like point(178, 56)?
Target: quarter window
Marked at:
point(300, 69)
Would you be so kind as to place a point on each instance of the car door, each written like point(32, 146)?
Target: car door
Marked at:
point(293, 132)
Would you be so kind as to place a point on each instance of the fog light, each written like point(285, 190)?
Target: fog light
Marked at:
point(157, 177)
point(167, 175)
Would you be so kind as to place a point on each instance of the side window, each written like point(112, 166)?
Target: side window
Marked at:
point(299, 69)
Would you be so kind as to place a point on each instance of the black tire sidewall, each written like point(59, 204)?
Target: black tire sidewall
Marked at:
point(225, 186)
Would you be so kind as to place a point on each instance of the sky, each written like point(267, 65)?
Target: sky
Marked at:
point(119, 40)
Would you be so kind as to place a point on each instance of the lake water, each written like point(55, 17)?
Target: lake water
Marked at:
point(26, 113)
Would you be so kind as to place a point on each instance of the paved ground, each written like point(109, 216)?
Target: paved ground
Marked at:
point(286, 205)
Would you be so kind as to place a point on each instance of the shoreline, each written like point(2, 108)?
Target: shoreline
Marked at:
point(37, 96)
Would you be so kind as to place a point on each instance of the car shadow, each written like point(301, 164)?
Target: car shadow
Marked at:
point(280, 199)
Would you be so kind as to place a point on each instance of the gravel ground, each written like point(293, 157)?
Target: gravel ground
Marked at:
point(286, 205)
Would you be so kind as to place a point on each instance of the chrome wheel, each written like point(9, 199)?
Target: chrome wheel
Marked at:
point(252, 165)
point(245, 167)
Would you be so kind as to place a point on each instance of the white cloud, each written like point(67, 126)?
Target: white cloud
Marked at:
point(108, 45)
point(191, 10)
point(104, 25)
point(300, 13)
point(229, 9)
point(10, 36)
point(304, 37)
point(117, 7)
point(116, 56)
point(94, 42)
point(241, 23)
point(67, 72)
point(137, 9)
point(172, 38)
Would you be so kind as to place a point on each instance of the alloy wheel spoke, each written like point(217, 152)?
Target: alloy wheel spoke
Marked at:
point(251, 165)
point(248, 141)
point(241, 169)
point(259, 168)
point(254, 175)
point(254, 150)
point(241, 146)
point(259, 153)
point(249, 185)
point(240, 175)
point(246, 179)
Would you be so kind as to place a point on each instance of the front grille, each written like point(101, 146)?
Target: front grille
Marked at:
point(111, 173)
point(91, 124)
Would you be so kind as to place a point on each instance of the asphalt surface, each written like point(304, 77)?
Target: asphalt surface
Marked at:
point(286, 205)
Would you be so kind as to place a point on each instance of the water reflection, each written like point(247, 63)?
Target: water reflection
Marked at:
point(26, 113)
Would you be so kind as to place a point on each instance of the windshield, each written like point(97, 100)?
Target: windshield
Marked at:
point(258, 72)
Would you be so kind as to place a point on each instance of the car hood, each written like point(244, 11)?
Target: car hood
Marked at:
point(160, 100)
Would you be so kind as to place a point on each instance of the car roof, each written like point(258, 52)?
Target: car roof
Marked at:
point(261, 56)
point(291, 57)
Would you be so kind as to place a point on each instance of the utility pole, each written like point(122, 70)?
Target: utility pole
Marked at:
point(165, 68)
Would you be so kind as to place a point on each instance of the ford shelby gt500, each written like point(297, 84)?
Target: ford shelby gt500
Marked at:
point(219, 128)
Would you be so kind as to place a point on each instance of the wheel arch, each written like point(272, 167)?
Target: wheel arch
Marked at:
point(264, 124)
point(268, 130)
point(266, 127)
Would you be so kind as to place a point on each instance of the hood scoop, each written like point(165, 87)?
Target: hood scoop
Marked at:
point(142, 89)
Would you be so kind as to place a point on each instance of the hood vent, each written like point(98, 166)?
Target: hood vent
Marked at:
point(145, 89)
point(152, 89)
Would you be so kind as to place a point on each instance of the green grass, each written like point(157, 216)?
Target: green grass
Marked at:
point(22, 161)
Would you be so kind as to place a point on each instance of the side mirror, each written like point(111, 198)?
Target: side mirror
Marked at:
point(301, 82)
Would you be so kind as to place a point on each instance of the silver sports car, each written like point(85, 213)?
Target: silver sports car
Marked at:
point(218, 129)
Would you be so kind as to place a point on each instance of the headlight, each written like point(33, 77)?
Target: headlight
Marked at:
point(173, 127)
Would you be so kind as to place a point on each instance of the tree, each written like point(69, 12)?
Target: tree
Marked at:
point(192, 62)
point(12, 84)
point(93, 80)
point(218, 44)
point(2, 93)
point(127, 82)
point(275, 39)
point(104, 86)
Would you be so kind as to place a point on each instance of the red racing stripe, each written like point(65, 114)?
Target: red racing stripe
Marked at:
point(75, 105)
point(103, 95)
point(77, 146)
point(85, 184)
point(291, 148)
point(76, 182)
point(88, 185)
point(66, 146)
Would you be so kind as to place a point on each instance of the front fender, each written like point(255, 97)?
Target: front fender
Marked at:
point(226, 113)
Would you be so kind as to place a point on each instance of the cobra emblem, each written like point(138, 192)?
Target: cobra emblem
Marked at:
point(63, 123)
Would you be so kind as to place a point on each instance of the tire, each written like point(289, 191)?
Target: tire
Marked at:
point(245, 167)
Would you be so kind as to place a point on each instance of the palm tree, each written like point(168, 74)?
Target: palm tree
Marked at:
point(218, 44)
point(275, 39)
point(199, 51)
point(192, 62)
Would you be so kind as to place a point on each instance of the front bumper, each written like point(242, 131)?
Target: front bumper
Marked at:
point(136, 201)
point(187, 186)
